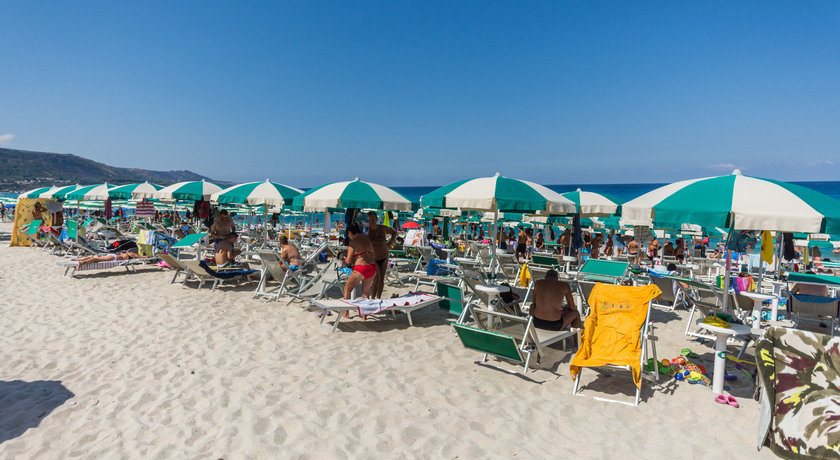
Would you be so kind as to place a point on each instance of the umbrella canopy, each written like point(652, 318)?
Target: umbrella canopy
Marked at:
point(352, 194)
point(194, 190)
point(34, 193)
point(257, 193)
point(61, 192)
point(411, 224)
point(498, 193)
point(90, 192)
point(737, 202)
point(592, 204)
point(134, 191)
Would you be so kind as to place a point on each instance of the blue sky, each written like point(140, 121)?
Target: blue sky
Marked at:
point(424, 93)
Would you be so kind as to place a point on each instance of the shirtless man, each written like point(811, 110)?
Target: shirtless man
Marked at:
point(222, 227)
point(225, 254)
point(521, 244)
point(289, 253)
point(381, 238)
point(548, 309)
point(360, 257)
point(633, 250)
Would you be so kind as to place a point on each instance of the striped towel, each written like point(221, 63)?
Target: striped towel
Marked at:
point(107, 264)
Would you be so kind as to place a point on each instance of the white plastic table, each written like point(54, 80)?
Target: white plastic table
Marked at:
point(761, 297)
point(721, 335)
point(492, 291)
point(448, 252)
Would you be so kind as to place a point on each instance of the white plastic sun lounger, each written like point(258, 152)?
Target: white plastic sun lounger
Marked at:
point(339, 306)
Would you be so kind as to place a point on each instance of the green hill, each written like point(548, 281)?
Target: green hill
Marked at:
point(22, 170)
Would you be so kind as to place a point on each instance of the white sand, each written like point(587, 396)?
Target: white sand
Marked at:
point(128, 365)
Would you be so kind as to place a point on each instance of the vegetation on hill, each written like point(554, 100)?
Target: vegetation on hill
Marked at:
point(22, 170)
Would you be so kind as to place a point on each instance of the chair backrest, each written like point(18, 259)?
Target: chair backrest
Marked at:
point(272, 263)
point(171, 261)
point(545, 261)
point(34, 226)
point(470, 283)
point(452, 298)
point(813, 306)
point(665, 285)
point(493, 343)
point(609, 271)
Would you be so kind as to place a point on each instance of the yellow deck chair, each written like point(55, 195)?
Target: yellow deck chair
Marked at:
point(617, 333)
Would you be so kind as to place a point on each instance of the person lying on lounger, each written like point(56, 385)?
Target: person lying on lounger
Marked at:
point(548, 308)
point(226, 253)
point(106, 258)
point(289, 253)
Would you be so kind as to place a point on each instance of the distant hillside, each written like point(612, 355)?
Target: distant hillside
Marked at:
point(23, 170)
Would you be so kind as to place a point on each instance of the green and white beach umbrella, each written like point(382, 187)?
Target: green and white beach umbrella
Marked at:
point(34, 193)
point(97, 192)
point(257, 194)
point(134, 191)
point(352, 194)
point(735, 202)
point(61, 192)
point(499, 193)
point(592, 204)
point(194, 191)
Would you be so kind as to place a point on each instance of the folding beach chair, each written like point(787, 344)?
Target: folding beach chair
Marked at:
point(272, 268)
point(617, 334)
point(221, 275)
point(30, 231)
point(507, 336)
point(814, 309)
point(306, 275)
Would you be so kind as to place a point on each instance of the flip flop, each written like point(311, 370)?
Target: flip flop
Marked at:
point(730, 377)
point(731, 401)
point(721, 399)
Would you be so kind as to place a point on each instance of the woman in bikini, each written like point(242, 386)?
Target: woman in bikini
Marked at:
point(360, 257)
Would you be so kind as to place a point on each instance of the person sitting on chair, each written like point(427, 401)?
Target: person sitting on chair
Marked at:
point(226, 253)
point(289, 253)
point(548, 308)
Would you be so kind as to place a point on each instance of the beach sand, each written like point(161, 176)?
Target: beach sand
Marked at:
point(113, 364)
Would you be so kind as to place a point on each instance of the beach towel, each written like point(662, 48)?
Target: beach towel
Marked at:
point(799, 372)
point(373, 306)
point(611, 331)
point(524, 275)
point(225, 273)
point(767, 247)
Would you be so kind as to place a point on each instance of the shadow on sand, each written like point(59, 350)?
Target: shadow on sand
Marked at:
point(24, 404)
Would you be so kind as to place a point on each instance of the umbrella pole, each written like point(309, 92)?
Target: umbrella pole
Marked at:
point(493, 259)
point(778, 255)
point(727, 277)
point(265, 224)
point(760, 263)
